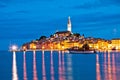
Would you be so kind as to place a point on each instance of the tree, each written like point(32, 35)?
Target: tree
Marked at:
point(51, 36)
point(37, 39)
point(85, 46)
point(76, 34)
point(42, 38)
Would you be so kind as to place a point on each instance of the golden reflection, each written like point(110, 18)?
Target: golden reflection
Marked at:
point(43, 67)
point(24, 66)
point(109, 67)
point(98, 68)
point(63, 68)
point(51, 51)
point(105, 66)
point(69, 67)
point(52, 67)
point(63, 51)
point(34, 66)
point(59, 51)
point(60, 68)
point(113, 67)
point(14, 68)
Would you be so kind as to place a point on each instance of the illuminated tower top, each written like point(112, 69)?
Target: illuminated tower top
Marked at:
point(69, 24)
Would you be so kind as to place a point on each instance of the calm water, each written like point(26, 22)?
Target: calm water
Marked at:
point(47, 66)
point(108, 66)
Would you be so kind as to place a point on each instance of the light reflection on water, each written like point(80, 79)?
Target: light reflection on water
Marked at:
point(69, 69)
point(34, 67)
point(24, 66)
point(43, 67)
point(14, 68)
point(108, 66)
point(54, 66)
point(62, 66)
point(97, 68)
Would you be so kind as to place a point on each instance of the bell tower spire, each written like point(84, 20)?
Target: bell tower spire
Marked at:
point(69, 24)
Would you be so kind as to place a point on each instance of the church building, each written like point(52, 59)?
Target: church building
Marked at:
point(65, 33)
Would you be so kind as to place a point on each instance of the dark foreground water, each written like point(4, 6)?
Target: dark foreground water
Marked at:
point(46, 65)
point(108, 66)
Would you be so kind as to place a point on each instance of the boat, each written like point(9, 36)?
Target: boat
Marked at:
point(81, 50)
point(114, 49)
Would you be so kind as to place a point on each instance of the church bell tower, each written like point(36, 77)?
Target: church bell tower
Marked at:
point(69, 24)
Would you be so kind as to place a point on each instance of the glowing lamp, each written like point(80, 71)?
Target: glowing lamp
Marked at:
point(34, 47)
point(62, 47)
point(117, 47)
point(14, 48)
point(24, 47)
point(51, 47)
point(43, 47)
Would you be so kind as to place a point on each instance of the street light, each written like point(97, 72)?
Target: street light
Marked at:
point(14, 48)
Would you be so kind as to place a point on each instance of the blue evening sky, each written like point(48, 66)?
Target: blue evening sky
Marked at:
point(24, 20)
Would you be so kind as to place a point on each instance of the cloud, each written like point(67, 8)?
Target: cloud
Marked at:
point(22, 11)
point(96, 4)
point(110, 2)
point(2, 5)
point(32, 17)
point(97, 18)
point(5, 1)
point(89, 6)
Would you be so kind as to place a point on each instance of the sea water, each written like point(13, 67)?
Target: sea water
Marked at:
point(47, 65)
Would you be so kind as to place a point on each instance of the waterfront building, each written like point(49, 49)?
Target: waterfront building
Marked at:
point(115, 43)
point(32, 45)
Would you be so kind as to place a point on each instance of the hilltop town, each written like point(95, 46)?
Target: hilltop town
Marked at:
point(63, 40)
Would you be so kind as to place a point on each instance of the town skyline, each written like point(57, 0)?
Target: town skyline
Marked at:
point(66, 39)
point(20, 20)
point(91, 17)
